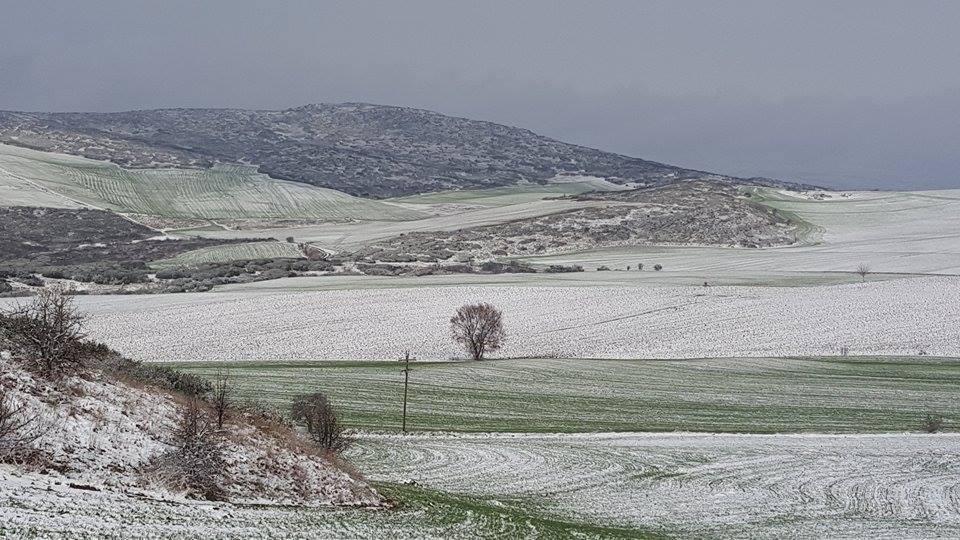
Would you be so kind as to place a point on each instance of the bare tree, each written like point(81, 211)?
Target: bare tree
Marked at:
point(317, 414)
point(220, 396)
point(19, 429)
point(862, 271)
point(47, 333)
point(197, 461)
point(478, 328)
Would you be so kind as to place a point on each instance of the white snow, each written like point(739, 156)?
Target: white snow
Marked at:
point(892, 485)
point(899, 317)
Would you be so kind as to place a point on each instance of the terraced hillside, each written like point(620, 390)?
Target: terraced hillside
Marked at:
point(221, 192)
point(358, 148)
point(232, 252)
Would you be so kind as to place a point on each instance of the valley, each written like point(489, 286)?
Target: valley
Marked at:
point(686, 354)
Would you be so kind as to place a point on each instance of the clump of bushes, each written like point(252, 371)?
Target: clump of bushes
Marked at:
point(509, 267)
point(196, 464)
point(560, 269)
point(46, 335)
point(316, 413)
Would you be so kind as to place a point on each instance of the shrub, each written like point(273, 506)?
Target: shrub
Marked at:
point(478, 328)
point(18, 430)
point(170, 378)
point(603, 268)
point(46, 334)
point(658, 267)
point(197, 462)
point(220, 396)
point(559, 268)
point(932, 423)
point(511, 267)
point(316, 413)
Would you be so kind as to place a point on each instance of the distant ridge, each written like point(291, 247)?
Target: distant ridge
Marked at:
point(362, 149)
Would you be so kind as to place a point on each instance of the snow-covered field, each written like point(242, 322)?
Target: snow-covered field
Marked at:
point(898, 317)
point(816, 486)
point(683, 485)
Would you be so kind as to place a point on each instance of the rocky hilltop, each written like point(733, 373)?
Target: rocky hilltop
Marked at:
point(362, 149)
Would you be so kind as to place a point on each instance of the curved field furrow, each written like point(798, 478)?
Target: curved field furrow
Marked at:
point(714, 485)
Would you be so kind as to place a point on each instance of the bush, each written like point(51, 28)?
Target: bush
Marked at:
point(512, 267)
point(167, 378)
point(46, 334)
point(18, 430)
point(658, 267)
point(603, 268)
point(197, 462)
point(316, 413)
point(559, 269)
point(932, 423)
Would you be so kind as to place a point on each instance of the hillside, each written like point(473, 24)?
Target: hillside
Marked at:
point(361, 149)
point(687, 213)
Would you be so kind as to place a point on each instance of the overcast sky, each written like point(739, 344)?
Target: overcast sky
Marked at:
point(848, 93)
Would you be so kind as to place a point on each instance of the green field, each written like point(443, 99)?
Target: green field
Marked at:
point(232, 252)
point(223, 192)
point(766, 395)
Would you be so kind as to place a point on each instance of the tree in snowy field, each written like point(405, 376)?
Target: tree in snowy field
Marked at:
point(862, 271)
point(478, 328)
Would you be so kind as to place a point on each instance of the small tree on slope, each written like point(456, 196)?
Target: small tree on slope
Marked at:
point(316, 413)
point(478, 328)
point(47, 333)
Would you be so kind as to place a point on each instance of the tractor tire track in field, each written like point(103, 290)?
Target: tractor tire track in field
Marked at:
point(903, 485)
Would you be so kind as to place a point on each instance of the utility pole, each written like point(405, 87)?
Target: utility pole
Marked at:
point(406, 382)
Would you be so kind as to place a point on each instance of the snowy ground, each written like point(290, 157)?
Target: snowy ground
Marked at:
point(896, 485)
point(898, 317)
point(512, 486)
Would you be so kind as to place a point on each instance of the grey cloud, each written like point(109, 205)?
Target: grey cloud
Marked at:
point(855, 93)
